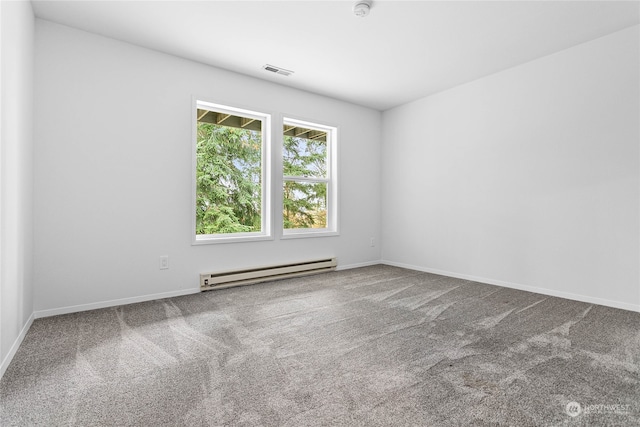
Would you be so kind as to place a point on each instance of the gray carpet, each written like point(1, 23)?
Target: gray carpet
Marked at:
point(371, 346)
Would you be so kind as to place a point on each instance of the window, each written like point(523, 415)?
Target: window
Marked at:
point(232, 200)
point(309, 179)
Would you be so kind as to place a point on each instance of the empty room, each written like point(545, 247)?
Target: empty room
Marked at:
point(313, 213)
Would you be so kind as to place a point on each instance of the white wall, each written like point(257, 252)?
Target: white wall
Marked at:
point(113, 171)
point(16, 170)
point(527, 178)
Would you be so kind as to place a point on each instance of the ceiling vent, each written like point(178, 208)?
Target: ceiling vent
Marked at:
point(277, 70)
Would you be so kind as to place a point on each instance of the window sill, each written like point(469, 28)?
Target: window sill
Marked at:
point(213, 240)
point(306, 233)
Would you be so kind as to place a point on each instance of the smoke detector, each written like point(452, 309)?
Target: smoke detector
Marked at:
point(362, 8)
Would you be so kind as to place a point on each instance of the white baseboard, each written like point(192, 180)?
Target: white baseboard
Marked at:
point(16, 344)
point(358, 265)
point(112, 303)
point(123, 301)
point(535, 289)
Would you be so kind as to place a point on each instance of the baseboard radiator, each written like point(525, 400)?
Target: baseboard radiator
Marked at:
point(249, 276)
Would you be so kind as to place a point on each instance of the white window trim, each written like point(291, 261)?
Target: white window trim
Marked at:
point(332, 183)
point(266, 212)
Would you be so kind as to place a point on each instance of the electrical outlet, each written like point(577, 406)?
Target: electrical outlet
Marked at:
point(164, 262)
point(373, 242)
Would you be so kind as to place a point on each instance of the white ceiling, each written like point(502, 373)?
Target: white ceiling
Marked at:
point(402, 51)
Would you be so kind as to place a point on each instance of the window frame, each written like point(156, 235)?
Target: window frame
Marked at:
point(331, 179)
point(266, 212)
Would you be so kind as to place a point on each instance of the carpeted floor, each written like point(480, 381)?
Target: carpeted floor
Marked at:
point(371, 346)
